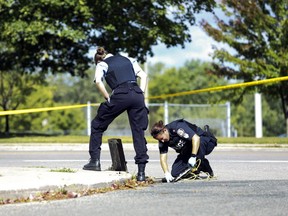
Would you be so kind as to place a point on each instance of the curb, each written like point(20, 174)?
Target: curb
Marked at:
point(126, 146)
point(22, 181)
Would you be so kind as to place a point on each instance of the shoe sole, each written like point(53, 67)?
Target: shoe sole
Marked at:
point(91, 169)
point(141, 178)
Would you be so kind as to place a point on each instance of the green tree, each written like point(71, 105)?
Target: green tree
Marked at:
point(272, 116)
point(74, 90)
point(32, 122)
point(59, 121)
point(257, 32)
point(56, 35)
point(14, 90)
point(68, 121)
point(196, 75)
point(243, 117)
point(193, 75)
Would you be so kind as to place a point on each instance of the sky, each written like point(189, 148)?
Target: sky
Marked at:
point(199, 49)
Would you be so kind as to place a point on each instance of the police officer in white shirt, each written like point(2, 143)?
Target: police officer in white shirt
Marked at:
point(120, 73)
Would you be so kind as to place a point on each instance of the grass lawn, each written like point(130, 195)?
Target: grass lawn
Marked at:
point(128, 139)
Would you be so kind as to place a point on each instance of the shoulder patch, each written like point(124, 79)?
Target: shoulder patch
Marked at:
point(182, 133)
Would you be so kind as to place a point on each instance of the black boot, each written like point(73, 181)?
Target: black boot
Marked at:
point(205, 167)
point(94, 164)
point(141, 172)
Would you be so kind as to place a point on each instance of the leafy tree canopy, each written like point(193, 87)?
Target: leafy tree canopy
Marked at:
point(193, 75)
point(257, 31)
point(196, 75)
point(56, 35)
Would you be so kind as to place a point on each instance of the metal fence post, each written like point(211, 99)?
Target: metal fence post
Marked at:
point(228, 119)
point(88, 118)
point(166, 113)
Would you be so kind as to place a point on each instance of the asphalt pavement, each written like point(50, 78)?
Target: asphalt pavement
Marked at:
point(17, 182)
point(249, 180)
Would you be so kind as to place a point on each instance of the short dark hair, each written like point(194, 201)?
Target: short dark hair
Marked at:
point(157, 128)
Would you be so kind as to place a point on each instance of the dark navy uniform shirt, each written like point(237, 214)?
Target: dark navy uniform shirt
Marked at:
point(102, 68)
point(181, 133)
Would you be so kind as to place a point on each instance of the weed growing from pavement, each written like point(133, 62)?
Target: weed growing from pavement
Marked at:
point(64, 193)
point(66, 170)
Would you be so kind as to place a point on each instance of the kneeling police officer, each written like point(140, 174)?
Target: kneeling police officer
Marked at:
point(190, 141)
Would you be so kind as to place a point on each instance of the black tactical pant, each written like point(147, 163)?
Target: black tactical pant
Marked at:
point(130, 98)
point(181, 162)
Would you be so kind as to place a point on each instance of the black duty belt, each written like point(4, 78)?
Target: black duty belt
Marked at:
point(128, 84)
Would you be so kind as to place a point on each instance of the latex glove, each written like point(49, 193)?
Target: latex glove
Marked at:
point(168, 176)
point(192, 161)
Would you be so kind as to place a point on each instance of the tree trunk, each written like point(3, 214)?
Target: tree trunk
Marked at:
point(287, 127)
point(286, 119)
point(284, 108)
point(7, 128)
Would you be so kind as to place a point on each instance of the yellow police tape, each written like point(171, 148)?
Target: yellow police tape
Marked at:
point(14, 112)
point(232, 86)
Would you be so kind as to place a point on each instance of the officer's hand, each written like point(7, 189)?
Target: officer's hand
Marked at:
point(192, 161)
point(168, 176)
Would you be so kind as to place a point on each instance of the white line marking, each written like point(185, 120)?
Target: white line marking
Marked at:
point(252, 161)
point(221, 161)
point(77, 160)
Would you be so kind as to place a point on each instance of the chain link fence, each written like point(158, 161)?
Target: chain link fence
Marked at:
point(216, 116)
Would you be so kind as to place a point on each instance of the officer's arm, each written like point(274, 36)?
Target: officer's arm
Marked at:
point(100, 85)
point(195, 144)
point(143, 80)
point(139, 73)
point(163, 162)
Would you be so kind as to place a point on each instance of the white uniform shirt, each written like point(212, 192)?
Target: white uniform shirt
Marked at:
point(102, 68)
